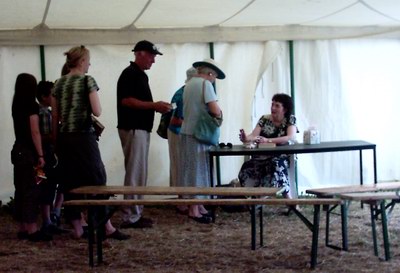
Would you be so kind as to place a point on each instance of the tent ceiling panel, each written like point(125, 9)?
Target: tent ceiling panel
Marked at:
point(286, 12)
point(390, 8)
point(183, 21)
point(21, 14)
point(89, 14)
point(185, 14)
point(355, 15)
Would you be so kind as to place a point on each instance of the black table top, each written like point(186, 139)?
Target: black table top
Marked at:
point(329, 146)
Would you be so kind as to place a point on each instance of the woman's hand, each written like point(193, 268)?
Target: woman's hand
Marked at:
point(41, 162)
point(259, 139)
point(242, 136)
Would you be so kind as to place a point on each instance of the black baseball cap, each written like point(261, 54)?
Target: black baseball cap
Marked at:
point(146, 46)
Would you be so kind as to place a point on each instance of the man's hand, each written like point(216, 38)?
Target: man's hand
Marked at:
point(162, 107)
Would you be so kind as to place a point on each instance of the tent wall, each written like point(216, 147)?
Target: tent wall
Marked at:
point(166, 76)
point(332, 92)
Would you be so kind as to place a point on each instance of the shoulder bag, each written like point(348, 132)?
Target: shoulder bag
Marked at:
point(207, 128)
point(96, 124)
point(162, 129)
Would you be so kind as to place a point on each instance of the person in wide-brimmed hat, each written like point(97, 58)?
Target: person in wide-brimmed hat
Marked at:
point(211, 64)
point(198, 93)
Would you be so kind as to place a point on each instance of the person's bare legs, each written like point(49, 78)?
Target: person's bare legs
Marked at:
point(78, 229)
point(110, 229)
point(202, 210)
point(289, 196)
point(45, 209)
point(194, 211)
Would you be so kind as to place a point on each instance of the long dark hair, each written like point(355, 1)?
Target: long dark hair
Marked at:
point(287, 103)
point(25, 92)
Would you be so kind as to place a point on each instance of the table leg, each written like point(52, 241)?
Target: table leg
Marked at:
point(375, 172)
point(361, 169)
point(218, 170)
point(361, 174)
point(211, 159)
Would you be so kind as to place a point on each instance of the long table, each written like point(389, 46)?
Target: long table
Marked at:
point(330, 146)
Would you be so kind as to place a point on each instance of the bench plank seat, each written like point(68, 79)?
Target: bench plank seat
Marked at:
point(160, 190)
point(369, 196)
point(252, 202)
point(244, 201)
point(332, 191)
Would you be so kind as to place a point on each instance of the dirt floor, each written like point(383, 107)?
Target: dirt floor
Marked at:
point(178, 244)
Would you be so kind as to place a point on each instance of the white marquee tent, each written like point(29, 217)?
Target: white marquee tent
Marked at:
point(345, 69)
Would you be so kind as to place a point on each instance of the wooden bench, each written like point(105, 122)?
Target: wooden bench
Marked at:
point(257, 199)
point(377, 203)
point(335, 192)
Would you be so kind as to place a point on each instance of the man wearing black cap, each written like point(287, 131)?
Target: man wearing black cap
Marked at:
point(136, 109)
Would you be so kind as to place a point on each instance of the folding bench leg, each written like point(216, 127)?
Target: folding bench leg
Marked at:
point(253, 226)
point(91, 235)
point(373, 226)
point(315, 234)
point(344, 208)
point(261, 226)
point(385, 231)
point(327, 225)
point(343, 216)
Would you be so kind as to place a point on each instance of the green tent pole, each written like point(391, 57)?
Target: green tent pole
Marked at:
point(292, 89)
point(218, 165)
point(292, 94)
point(42, 63)
point(211, 45)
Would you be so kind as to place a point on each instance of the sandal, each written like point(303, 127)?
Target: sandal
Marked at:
point(202, 220)
point(118, 235)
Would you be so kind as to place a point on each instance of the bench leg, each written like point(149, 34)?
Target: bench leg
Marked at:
point(91, 235)
point(344, 209)
point(385, 231)
point(253, 226)
point(373, 226)
point(343, 216)
point(315, 233)
point(328, 213)
point(261, 227)
point(99, 237)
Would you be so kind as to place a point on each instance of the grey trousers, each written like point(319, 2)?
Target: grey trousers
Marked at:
point(135, 146)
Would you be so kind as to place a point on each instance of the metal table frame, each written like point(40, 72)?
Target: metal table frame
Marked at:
point(323, 147)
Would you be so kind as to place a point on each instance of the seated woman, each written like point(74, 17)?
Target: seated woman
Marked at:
point(280, 128)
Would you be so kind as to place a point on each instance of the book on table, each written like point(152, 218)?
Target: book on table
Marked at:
point(266, 145)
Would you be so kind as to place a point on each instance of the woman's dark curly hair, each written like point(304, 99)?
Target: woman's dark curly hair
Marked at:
point(287, 103)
